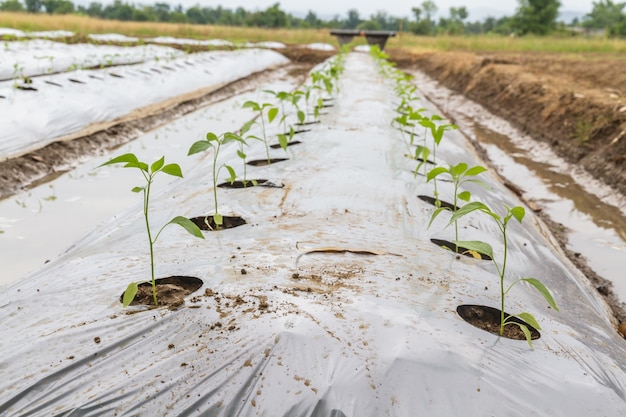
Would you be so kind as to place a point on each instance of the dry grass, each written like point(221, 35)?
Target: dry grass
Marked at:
point(487, 43)
point(86, 25)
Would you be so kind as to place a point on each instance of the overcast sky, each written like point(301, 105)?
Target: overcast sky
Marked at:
point(398, 8)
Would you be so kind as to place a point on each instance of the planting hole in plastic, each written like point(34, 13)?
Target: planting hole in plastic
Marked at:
point(250, 183)
point(263, 162)
point(432, 201)
point(447, 245)
point(207, 223)
point(488, 319)
point(277, 145)
point(171, 291)
point(313, 122)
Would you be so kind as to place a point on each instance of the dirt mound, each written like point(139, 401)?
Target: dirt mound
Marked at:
point(574, 104)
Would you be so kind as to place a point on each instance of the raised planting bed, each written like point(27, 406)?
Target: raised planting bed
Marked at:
point(332, 301)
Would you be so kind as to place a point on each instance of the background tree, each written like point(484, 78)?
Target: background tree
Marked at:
point(11, 6)
point(604, 15)
point(353, 20)
point(33, 6)
point(424, 24)
point(536, 16)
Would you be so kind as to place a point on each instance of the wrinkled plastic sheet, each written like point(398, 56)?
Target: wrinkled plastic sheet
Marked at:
point(186, 41)
point(70, 102)
point(39, 34)
point(38, 57)
point(345, 309)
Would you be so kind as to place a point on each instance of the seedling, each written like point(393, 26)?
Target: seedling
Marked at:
point(149, 172)
point(518, 214)
point(437, 132)
point(215, 142)
point(460, 175)
point(241, 151)
point(271, 115)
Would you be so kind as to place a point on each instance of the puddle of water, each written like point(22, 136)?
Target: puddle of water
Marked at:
point(38, 224)
point(594, 215)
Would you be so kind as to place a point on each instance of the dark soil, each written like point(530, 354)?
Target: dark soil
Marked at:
point(207, 223)
point(293, 142)
point(447, 245)
point(433, 202)
point(264, 162)
point(171, 291)
point(488, 319)
point(250, 184)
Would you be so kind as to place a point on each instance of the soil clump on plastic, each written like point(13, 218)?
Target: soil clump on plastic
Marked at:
point(171, 291)
point(45, 164)
point(207, 223)
point(488, 319)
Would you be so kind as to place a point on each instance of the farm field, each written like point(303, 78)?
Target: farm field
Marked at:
point(336, 286)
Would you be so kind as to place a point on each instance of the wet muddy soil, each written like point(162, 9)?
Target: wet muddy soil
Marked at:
point(575, 104)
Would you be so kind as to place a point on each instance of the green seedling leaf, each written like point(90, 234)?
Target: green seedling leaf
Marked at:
point(543, 290)
point(470, 207)
point(435, 172)
point(126, 158)
point(272, 113)
point(457, 170)
point(246, 127)
point(530, 319)
point(212, 137)
point(464, 196)
point(231, 173)
point(188, 225)
point(157, 165)
point(476, 245)
point(283, 141)
point(241, 154)
point(435, 214)
point(218, 219)
point(173, 169)
point(129, 294)
point(199, 146)
point(138, 189)
point(251, 105)
point(301, 116)
point(518, 212)
point(526, 334)
point(476, 170)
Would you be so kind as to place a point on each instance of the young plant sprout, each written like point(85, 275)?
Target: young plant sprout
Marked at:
point(271, 115)
point(460, 175)
point(437, 132)
point(241, 151)
point(149, 172)
point(215, 142)
point(518, 214)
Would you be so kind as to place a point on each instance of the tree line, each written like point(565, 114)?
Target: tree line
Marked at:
point(531, 17)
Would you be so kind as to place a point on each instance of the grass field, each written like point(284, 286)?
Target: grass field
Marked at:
point(483, 43)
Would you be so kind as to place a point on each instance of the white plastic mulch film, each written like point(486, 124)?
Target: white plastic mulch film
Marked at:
point(331, 301)
point(51, 107)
